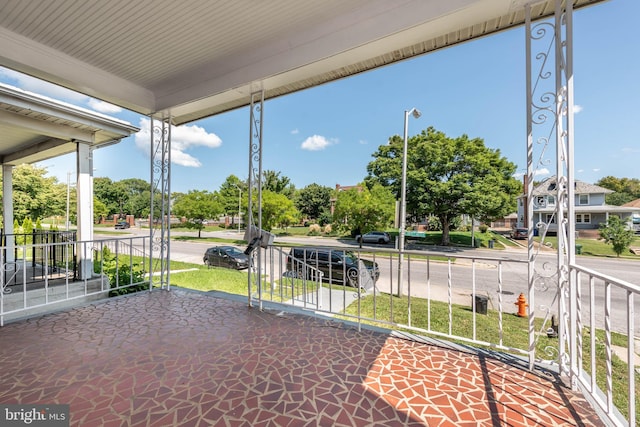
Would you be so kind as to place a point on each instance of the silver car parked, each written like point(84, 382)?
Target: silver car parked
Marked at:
point(374, 237)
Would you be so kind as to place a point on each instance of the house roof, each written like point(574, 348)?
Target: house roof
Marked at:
point(633, 204)
point(548, 187)
point(195, 58)
point(35, 128)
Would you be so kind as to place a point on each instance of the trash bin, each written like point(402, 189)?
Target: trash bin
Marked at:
point(481, 304)
point(578, 249)
point(490, 244)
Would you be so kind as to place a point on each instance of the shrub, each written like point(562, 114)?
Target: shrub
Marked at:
point(433, 224)
point(483, 228)
point(328, 229)
point(120, 272)
point(314, 230)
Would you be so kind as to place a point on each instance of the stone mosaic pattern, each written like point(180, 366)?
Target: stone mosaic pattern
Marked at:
point(191, 359)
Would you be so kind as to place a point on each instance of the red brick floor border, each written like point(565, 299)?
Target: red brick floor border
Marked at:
point(190, 359)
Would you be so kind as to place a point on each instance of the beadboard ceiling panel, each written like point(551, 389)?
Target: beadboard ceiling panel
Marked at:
point(190, 59)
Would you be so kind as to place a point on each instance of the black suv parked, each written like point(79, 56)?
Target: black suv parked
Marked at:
point(336, 265)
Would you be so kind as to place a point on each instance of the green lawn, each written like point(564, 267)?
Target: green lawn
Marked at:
point(235, 282)
point(594, 247)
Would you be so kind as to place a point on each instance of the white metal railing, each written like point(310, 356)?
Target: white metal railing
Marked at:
point(457, 279)
point(597, 298)
point(299, 284)
point(437, 286)
point(99, 269)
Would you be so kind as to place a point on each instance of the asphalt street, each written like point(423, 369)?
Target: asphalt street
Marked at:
point(500, 275)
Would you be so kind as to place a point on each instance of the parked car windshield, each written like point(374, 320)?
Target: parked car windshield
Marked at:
point(351, 256)
point(233, 251)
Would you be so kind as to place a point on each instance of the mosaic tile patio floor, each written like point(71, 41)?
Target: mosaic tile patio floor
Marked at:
point(191, 359)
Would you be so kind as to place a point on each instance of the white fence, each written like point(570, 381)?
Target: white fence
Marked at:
point(110, 267)
point(446, 295)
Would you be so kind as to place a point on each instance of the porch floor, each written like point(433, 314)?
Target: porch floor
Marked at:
point(193, 359)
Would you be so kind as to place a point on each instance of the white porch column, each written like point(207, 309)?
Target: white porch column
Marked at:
point(84, 189)
point(7, 210)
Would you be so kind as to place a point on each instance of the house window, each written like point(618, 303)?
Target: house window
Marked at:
point(551, 218)
point(583, 218)
point(551, 200)
point(583, 199)
point(540, 201)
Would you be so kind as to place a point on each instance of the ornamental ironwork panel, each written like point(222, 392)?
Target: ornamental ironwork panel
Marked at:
point(160, 208)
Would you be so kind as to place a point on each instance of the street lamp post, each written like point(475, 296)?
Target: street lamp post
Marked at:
point(403, 196)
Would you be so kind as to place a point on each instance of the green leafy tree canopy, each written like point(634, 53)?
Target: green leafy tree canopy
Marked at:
point(625, 189)
point(272, 181)
point(196, 206)
point(314, 200)
point(617, 233)
point(359, 210)
point(232, 190)
point(36, 195)
point(447, 177)
point(277, 210)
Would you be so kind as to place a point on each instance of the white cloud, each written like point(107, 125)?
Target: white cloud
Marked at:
point(295, 132)
point(537, 172)
point(541, 172)
point(103, 107)
point(316, 143)
point(182, 139)
point(362, 142)
point(577, 108)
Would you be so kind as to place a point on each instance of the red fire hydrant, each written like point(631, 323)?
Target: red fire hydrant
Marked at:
point(522, 306)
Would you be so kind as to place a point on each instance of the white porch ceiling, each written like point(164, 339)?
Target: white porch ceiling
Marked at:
point(194, 58)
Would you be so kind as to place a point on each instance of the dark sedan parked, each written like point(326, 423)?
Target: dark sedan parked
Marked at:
point(519, 233)
point(226, 256)
point(336, 265)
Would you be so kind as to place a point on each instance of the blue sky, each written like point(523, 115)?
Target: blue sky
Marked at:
point(326, 135)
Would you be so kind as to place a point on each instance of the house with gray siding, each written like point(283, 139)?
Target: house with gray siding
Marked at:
point(590, 207)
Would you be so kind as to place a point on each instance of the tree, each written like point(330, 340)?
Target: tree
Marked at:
point(277, 209)
point(625, 189)
point(137, 195)
point(359, 210)
point(196, 206)
point(110, 194)
point(35, 195)
point(617, 233)
point(314, 200)
point(128, 196)
point(272, 181)
point(230, 190)
point(99, 210)
point(447, 177)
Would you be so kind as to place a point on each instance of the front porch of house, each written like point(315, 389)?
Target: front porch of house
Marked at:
point(191, 358)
